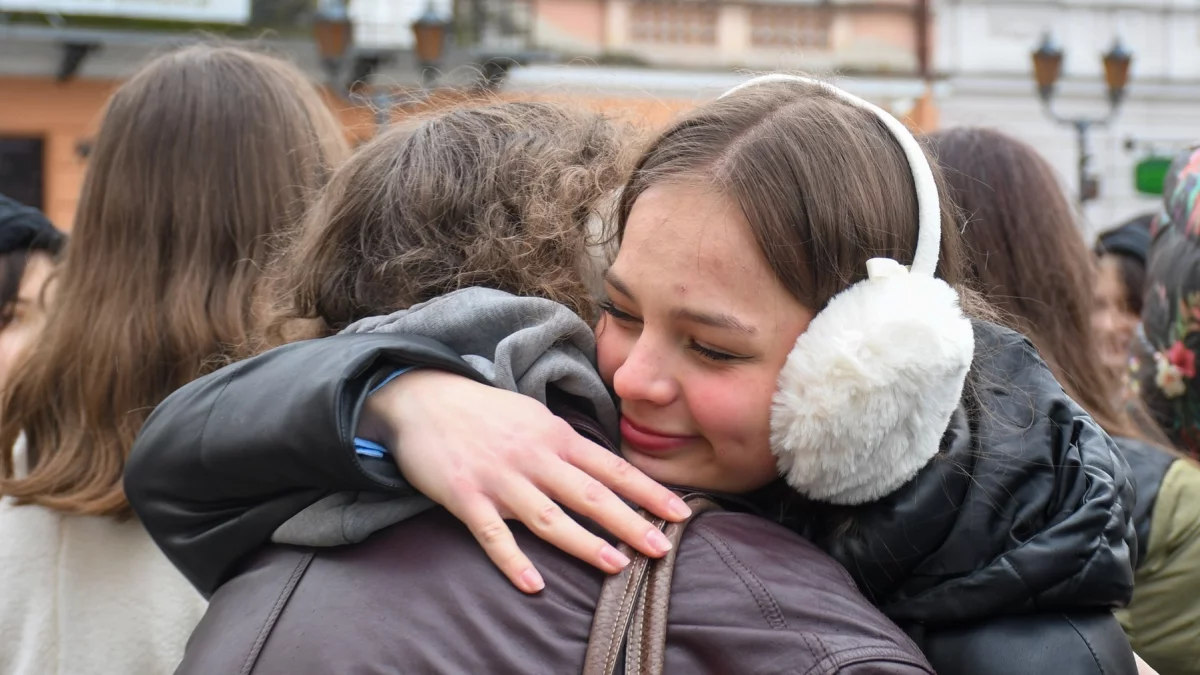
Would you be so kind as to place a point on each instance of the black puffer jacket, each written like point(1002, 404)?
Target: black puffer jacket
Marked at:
point(1027, 507)
point(1006, 554)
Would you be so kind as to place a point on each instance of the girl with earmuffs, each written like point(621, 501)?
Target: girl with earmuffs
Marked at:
point(784, 324)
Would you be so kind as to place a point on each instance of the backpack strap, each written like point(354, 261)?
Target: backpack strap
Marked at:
point(631, 614)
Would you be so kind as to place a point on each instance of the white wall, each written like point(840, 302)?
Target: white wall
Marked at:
point(982, 47)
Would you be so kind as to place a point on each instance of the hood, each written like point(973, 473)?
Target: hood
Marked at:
point(1025, 508)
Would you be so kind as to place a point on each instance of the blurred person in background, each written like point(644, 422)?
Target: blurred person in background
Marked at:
point(29, 249)
point(1119, 287)
point(1030, 259)
point(201, 159)
point(1164, 364)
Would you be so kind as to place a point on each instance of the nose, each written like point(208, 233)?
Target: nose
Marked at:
point(646, 375)
point(1103, 320)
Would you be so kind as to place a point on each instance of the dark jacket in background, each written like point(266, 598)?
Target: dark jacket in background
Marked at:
point(1006, 554)
point(1164, 371)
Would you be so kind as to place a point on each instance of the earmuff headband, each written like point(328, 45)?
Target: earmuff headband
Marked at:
point(929, 234)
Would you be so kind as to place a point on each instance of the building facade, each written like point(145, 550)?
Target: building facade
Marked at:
point(982, 59)
point(56, 72)
point(872, 37)
point(668, 55)
point(644, 60)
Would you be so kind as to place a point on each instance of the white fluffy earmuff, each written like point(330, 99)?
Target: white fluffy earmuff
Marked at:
point(869, 388)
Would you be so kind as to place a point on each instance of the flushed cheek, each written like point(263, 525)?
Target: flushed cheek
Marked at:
point(734, 416)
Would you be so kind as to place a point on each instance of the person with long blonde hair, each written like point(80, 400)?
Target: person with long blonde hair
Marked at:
point(202, 158)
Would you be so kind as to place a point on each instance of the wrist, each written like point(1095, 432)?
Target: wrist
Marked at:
point(387, 409)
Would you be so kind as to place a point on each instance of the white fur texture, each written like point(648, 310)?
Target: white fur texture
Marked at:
point(869, 388)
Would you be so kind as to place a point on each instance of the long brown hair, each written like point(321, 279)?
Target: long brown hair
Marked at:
point(499, 195)
point(200, 158)
point(823, 184)
point(1028, 257)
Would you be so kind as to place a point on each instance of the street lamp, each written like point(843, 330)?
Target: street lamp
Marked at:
point(1047, 66)
point(429, 40)
point(1116, 72)
point(1047, 69)
point(333, 33)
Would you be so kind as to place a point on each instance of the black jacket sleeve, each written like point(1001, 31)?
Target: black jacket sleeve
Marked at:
point(1062, 644)
point(228, 458)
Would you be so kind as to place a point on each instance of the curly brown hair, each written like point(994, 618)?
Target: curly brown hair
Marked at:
point(503, 196)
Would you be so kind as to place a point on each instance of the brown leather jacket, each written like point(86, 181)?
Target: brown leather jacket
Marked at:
point(748, 597)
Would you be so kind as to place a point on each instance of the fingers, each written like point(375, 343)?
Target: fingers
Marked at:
point(589, 497)
point(625, 479)
point(492, 533)
point(547, 520)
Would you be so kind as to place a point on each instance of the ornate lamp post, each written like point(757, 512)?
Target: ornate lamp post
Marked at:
point(429, 41)
point(333, 33)
point(1047, 69)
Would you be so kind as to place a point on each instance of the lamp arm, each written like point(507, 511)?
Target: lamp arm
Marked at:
point(1048, 106)
point(1114, 109)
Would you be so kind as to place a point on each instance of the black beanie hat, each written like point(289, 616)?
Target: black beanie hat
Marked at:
point(24, 228)
point(1130, 239)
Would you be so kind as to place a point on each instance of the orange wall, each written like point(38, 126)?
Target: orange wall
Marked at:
point(579, 20)
point(894, 28)
point(62, 115)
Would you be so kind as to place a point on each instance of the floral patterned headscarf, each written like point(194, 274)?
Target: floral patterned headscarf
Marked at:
point(1164, 370)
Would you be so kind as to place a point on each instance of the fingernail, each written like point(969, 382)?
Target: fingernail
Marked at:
point(532, 581)
point(614, 557)
point(658, 541)
point(679, 508)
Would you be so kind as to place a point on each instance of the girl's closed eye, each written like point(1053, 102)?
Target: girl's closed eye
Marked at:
point(610, 309)
point(713, 354)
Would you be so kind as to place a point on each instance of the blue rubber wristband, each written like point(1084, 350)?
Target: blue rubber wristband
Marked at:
point(366, 448)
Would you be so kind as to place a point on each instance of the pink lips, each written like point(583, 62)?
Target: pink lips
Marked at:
point(649, 440)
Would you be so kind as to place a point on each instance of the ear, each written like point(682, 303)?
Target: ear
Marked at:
point(868, 390)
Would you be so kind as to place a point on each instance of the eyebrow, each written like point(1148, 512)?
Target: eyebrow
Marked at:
point(615, 281)
point(716, 320)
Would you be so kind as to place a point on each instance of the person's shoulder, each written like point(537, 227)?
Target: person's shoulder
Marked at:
point(786, 599)
point(1178, 510)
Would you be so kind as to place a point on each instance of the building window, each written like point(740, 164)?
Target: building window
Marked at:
point(782, 27)
point(674, 23)
point(22, 170)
